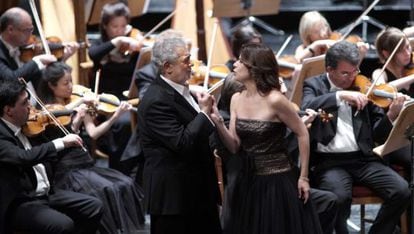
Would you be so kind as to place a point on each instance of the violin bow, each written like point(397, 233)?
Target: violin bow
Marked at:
point(97, 78)
point(358, 20)
point(39, 27)
point(48, 113)
point(284, 45)
point(210, 54)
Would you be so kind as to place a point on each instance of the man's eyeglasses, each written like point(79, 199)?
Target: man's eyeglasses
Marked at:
point(26, 30)
point(346, 74)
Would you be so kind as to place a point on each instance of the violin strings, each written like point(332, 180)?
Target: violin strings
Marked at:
point(50, 115)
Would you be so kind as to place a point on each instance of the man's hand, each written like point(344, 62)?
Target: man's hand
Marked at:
point(357, 99)
point(205, 101)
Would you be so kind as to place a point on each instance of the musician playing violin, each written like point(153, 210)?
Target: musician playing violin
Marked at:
point(317, 36)
point(16, 27)
point(342, 148)
point(400, 67)
point(314, 32)
point(116, 64)
point(75, 170)
point(116, 68)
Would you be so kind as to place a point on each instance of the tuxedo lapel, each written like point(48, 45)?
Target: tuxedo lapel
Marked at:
point(179, 100)
point(13, 65)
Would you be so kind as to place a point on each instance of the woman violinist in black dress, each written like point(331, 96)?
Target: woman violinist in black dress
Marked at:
point(75, 170)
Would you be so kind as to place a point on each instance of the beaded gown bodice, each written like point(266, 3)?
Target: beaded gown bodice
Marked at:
point(264, 141)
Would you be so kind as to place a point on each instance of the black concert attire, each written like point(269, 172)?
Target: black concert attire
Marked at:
point(340, 158)
point(116, 75)
point(29, 201)
point(180, 184)
point(120, 195)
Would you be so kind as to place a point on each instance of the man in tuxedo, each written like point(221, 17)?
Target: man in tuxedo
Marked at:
point(341, 150)
point(16, 28)
point(28, 202)
point(179, 180)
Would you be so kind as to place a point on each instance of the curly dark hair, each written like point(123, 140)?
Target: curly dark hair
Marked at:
point(262, 66)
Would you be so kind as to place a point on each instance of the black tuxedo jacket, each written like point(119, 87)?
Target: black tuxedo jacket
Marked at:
point(179, 175)
point(17, 177)
point(370, 125)
point(9, 69)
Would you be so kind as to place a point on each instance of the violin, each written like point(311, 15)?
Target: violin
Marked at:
point(381, 95)
point(287, 64)
point(39, 120)
point(34, 47)
point(107, 103)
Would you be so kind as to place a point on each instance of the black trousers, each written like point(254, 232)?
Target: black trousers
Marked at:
point(326, 207)
point(390, 186)
point(60, 212)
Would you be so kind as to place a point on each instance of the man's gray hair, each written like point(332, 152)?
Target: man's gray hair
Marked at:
point(342, 51)
point(165, 50)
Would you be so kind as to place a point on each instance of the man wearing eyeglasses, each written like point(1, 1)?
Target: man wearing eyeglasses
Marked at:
point(341, 150)
point(16, 28)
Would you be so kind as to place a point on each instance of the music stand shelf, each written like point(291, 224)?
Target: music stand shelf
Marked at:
point(248, 9)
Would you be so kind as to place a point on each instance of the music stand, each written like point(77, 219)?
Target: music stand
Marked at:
point(365, 20)
point(401, 135)
point(248, 8)
point(310, 67)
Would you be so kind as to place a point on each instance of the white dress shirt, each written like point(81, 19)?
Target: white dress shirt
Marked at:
point(344, 139)
point(43, 184)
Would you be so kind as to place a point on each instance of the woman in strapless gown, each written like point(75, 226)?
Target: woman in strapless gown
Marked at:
point(273, 194)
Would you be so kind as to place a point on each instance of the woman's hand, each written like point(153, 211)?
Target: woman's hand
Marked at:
point(303, 188)
point(122, 108)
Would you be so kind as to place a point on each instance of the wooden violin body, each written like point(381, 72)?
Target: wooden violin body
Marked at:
point(38, 120)
point(362, 84)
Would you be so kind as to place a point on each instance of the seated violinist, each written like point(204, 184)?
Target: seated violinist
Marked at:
point(76, 171)
point(317, 36)
point(115, 54)
point(29, 201)
point(397, 74)
point(315, 33)
point(16, 29)
point(400, 66)
point(341, 150)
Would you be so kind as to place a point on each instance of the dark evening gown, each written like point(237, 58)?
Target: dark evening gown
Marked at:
point(121, 196)
point(267, 196)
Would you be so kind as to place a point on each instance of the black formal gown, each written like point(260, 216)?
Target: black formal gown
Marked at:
point(121, 196)
point(267, 200)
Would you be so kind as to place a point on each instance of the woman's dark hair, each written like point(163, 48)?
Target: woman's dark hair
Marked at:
point(51, 75)
point(10, 90)
point(110, 11)
point(262, 66)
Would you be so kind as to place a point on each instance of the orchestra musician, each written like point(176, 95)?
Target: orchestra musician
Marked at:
point(16, 28)
point(314, 32)
point(342, 148)
point(180, 184)
point(398, 73)
point(400, 67)
point(116, 69)
point(29, 201)
point(75, 168)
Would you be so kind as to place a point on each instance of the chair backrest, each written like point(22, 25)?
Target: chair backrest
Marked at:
point(310, 67)
point(143, 59)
